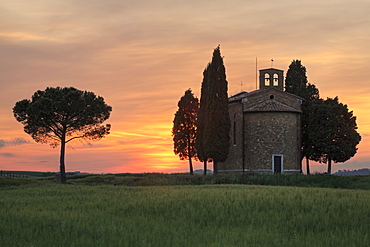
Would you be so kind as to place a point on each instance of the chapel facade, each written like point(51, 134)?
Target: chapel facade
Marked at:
point(265, 133)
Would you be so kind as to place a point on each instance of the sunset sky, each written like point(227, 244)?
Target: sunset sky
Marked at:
point(141, 56)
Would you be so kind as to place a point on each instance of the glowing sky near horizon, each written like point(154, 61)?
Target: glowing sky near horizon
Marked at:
point(141, 56)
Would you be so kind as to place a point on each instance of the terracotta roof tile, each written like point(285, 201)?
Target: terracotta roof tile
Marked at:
point(271, 106)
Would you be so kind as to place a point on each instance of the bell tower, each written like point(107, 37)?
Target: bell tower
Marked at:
point(272, 78)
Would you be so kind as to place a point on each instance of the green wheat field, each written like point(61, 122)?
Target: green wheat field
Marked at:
point(51, 214)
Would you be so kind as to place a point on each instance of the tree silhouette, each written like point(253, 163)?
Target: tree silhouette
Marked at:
point(296, 83)
point(199, 143)
point(60, 115)
point(184, 128)
point(334, 130)
point(214, 120)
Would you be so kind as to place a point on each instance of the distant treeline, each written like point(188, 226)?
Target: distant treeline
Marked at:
point(363, 171)
point(25, 174)
point(30, 174)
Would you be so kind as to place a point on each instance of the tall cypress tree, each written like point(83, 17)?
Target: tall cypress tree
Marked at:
point(184, 128)
point(296, 79)
point(199, 144)
point(296, 83)
point(214, 122)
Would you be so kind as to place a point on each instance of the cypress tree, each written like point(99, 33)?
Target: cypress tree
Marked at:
point(296, 83)
point(214, 121)
point(296, 79)
point(199, 144)
point(184, 128)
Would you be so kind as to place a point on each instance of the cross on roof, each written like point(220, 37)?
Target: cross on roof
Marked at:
point(241, 86)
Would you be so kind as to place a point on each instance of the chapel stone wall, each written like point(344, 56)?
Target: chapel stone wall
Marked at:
point(234, 160)
point(268, 133)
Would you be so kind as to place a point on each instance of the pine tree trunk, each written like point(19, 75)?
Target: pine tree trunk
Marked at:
point(308, 166)
point(329, 166)
point(190, 166)
point(205, 167)
point(63, 177)
point(215, 170)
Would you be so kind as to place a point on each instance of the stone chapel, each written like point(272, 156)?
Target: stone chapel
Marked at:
point(265, 133)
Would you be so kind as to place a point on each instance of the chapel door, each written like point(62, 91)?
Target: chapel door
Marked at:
point(277, 163)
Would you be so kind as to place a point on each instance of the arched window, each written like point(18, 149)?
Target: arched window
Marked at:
point(267, 79)
point(276, 80)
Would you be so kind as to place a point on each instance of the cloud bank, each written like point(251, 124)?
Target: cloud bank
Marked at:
point(13, 142)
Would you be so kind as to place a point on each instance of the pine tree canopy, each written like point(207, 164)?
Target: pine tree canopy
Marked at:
point(57, 111)
point(335, 131)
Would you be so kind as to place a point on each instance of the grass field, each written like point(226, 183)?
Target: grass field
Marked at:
point(46, 214)
point(155, 179)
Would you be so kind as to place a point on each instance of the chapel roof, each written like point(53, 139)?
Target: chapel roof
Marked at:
point(271, 106)
point(238, 96)
point(244, 94)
